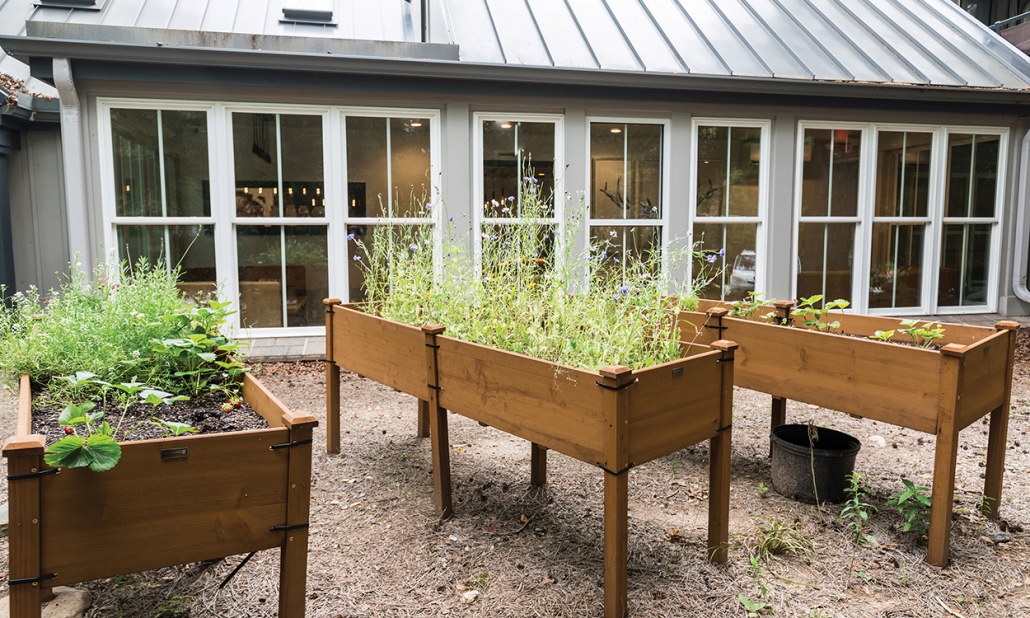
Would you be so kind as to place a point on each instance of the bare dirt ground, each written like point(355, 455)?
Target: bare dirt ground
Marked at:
point(377, 549)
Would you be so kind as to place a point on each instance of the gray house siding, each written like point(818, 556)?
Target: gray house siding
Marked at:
point(37, 211)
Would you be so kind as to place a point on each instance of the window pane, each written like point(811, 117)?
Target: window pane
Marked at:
point(367, 185)
point(903, 174)
point(256, 163)
point(896, 275)
point(972, 175)
point(191, 248)
point(830, 173)
point(137, 168)
point(824, 265)
point(307, 274)
point(621, 244)
point(259, 251)
point(625, 171)
point(728, 161)
point(301, 138)
point(507, 146)
point(733, 277)
point(964, 265)
point(409, 147)
point(187, 181)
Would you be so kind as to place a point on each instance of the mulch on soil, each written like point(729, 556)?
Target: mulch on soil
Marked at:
point(203, 413)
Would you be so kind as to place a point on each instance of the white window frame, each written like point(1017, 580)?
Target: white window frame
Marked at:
point(661, 222)
point(478, 220)
point(934, 221)
point(223, 193)
point(764, 171)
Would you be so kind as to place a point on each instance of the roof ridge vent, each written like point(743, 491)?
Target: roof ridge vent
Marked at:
point(308, 12)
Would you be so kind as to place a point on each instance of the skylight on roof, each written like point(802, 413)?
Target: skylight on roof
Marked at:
point(313, 11)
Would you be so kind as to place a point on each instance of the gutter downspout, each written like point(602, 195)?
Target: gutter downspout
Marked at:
point(1019, 253)
point(74, 166)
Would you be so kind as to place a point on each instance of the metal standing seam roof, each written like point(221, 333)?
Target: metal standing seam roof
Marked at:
point(900, 42)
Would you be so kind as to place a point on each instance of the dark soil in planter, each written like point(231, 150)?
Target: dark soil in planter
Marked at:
point(203, 413)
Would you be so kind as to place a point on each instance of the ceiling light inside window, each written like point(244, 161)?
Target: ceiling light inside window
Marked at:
point(616, 130)
point(505, 125)
point(416, 123)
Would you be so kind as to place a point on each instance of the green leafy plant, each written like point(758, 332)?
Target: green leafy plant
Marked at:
point(773, 537)
point(750, 305)
point(923, 335)
point(763, 490)
point(754, 608)
point(201, 357)
point(176, 607)
point(856, 512)
point(914, 505)
point(817, 317)
point(882, 335)
point(89, 443)
point(623, 312)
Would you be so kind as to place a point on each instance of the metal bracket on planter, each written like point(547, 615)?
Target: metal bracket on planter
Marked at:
point(432, 345)
point(293, 527)
point(724, 360)
point(275, 447)
point(619, 473)
point(225, 581)
point(716, 326)
point(615, 388)
point(433, 386)
point(33, 475)
point(726, 428)
point(35, 581)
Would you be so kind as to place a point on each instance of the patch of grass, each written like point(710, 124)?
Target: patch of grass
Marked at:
point(773, 537)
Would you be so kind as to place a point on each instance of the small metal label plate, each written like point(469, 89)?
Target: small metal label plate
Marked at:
point(678, 371)
point(174, 453)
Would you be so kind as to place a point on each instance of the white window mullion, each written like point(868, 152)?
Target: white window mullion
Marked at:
point(223, 207)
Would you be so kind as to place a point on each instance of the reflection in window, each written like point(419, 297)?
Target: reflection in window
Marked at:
point(903, 174)
point(728, 171)
point(283, 275)
point(513, 151)
point(625, 171)
point(278, 165)
point(829, 188)
point(189, 248)
point(895, 277)
point(160, 163)
point(388, 165)
point(736, 275)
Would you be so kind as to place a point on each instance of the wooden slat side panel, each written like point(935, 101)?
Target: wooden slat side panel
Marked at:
point(147, 513)
point(882, 381)
point(865, 325)
point(262, 401)
point(388, 352)
point(524, 397)
point(983, 378)
point(668, 412)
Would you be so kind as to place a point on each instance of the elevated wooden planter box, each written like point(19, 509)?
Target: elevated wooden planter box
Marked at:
point(613, 418)
point(168, 501)
point(938, 392)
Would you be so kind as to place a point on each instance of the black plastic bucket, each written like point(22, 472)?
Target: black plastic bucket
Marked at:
point(793, 459)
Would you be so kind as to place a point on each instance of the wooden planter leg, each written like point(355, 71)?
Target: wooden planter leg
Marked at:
point(332, 383)
point(779, 416)
point(615, 380)
point(719, 462)
point(939, 543)
point(25, 456)
point(438, 428)
point(293, 559)
point(538, 464)
point(423, 419)
point(998, 436)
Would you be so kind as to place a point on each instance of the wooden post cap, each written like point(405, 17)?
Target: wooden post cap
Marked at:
point(331, 301)
point(724, 345)
point(17, 446)
point(1007, 325)
point(783, 304)
point(433, 329)
point(615, 372)
point(953, 349)
point(717, 312)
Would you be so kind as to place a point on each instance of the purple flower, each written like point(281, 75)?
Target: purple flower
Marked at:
point(616, 260)
point(428, 206)
point(615, 298)
point(350, 236)
point(722, 252)
point(412, 247)
point(530, 179)
point(493, 237)
point(511, 198)
point(357, 258)
point(451, 219)
point(604, 255)
point(712, 258)
point(623, 290)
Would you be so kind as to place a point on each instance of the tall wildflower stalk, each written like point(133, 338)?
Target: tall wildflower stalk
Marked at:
point(622, 312)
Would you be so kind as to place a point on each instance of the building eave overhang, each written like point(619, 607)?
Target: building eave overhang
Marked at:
point(161, 53)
